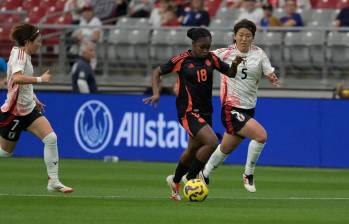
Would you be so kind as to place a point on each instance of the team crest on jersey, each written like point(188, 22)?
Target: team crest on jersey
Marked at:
point(93, 126)
point(208, 63)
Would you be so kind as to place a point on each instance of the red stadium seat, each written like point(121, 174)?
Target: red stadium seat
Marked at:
point(212, 6)
point(66, 19)
point(47, 3)
point(29, 4)
point(60, 4)
point(342, 4)
point(12, 4)
point(326, 4)
point(35, 15)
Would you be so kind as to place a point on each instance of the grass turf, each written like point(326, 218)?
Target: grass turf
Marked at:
point(136, 192)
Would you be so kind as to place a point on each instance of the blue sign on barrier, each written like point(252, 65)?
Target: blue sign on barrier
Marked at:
point(301, 132)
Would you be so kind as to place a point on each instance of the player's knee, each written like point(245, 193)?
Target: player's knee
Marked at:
point(50, 139)
point(262, 137)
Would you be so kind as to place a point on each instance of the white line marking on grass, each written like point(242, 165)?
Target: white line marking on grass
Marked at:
point(154, 197)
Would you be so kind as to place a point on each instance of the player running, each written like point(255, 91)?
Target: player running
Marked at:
point(22, 110)
point(239, 96)
point(194, 102)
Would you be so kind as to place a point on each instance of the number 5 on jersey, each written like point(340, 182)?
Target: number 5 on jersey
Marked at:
point(201, 75)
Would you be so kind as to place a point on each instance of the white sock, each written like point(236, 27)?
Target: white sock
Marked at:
point(254, 150)
point(216, 159)
point(3, 153)
point(51, 155)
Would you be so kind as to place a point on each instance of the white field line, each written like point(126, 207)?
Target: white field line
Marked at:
point(154, 197)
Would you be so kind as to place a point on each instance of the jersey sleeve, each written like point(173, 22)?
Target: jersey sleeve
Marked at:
point(219, 52)
point(166, 68)
point(19, 58)
point(220, 65)
point(266, 66)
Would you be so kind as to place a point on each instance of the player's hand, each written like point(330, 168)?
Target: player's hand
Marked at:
point(153, 100)
point(46, 77)
point(237, 60)
point(274, 80)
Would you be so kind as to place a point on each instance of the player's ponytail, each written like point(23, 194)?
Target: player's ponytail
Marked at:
point(24, 32)
point(198, 32)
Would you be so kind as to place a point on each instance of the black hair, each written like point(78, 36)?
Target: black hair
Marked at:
point(247, 24)
point(197, 33)
point(24, 32)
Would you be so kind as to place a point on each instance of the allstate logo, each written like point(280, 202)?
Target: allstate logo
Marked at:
point(93, 126)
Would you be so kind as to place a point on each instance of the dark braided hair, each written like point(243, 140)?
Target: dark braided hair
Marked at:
point(247, 24)
point(198, 32)
point(24, 32)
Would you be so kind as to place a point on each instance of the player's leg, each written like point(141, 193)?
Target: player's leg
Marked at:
point(258, 135)
point(228, 144)
point(182, 168)
point(6, 147)
point(42, 129)
point(209, 141)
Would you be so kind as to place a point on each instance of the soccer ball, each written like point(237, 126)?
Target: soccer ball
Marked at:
point(195, 190)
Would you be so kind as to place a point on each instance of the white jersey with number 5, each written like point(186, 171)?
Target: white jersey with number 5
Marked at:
point(20, 98)
point(241, 91)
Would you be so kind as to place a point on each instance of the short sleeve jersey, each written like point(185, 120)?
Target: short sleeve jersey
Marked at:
point(241, 91)
point(195, 78)
point(20, 98)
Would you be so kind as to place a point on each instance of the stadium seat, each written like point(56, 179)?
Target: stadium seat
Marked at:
point(140, 39)
point(35, 15)
point(120, 50)
point(29, 4)
point(295, 54)
point(337, 52)
point(322, 17)
point(212, 6)
point(342, 4)
point(65, 19)
point(221, 39)
point(60, 4)
point(306, 15)
point(326, 4)
point(47, 3)
point(272, 45)
point(179, 41)
point(221, 23)
point(229, 14)
point(12, 4)
point(279, 13)
point(160, 50)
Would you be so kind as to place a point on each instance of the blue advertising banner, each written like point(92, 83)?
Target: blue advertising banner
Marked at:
point(301, 132)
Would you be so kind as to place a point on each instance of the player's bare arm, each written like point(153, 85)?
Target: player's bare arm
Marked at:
point(19, 78)
point(156, 88)
point(274, 80)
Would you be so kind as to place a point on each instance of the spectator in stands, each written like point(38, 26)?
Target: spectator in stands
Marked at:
point(269, 19)
point(342, 20)
point(250, 12)
point(292, 18)
point(120, 8)
point(302, 4)
point(103, 9)
point(83, 77)
point(140, 8)
point(88, 19)
point(75, 7)
point(170, 17)
point(195, 15)
point(157, 13)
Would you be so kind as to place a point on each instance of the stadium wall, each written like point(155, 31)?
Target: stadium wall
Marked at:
point(301, 132)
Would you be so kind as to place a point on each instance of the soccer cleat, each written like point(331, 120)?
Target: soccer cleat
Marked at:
point(56, 185)
point(203, 178)
point(249, 183)
point(174, 188)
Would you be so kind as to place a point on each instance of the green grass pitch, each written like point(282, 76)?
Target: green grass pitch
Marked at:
point(136, 192)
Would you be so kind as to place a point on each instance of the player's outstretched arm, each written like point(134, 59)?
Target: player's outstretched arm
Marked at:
point(156, 88)
point(19, 78)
